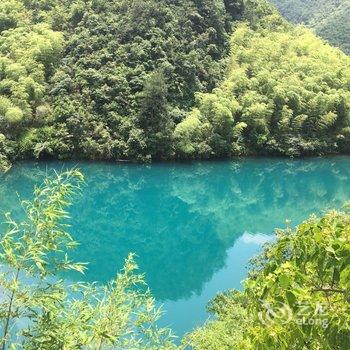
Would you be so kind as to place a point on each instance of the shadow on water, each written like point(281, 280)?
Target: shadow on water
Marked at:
point(182, 219)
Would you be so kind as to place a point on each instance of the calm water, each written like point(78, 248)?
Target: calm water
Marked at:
point(193, 226)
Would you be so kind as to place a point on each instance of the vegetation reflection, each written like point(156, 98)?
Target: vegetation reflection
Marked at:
point(181, 219)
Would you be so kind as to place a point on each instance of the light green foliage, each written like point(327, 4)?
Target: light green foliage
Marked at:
point(29, 53)
point(329, 18)
point(304, 276)
point(27, 56)
point(286, 92)
point(12, 14)
point(55, 315)
point(189, 135)
point(13, 115)
point(227, 331)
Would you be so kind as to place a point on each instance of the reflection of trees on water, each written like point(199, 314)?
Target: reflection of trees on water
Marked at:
point(181, 219)
point(258, 195)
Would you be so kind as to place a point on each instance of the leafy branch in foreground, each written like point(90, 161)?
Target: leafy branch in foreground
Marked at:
point(296, 297)
point(40, 311)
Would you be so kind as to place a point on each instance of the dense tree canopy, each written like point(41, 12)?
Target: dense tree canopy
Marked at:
point(128, 74)
point(329, 18)
point(131, 70)
point(120, 79)
point(286, 92)
point(29, 54)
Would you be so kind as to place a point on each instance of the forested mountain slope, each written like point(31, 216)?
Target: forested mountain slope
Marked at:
point(329, 18)
point(131, 71)
point(118, 80)
point(106, 79)
point(285, 92)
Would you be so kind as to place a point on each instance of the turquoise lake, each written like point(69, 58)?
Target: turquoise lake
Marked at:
point(193, 226)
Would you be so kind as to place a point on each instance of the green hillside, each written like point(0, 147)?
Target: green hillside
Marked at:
point(285, 92)
point(106, 80)
point(329, 18)
point(175, 80)
point(130, 80)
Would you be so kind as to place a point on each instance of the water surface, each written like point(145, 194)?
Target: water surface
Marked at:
point(194, 226)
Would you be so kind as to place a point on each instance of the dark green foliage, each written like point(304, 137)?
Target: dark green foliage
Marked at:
point(335, 27)
point(5, 153)
point(129, 72)
point(153, 118)
point(114, 58)
point(329, 18)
